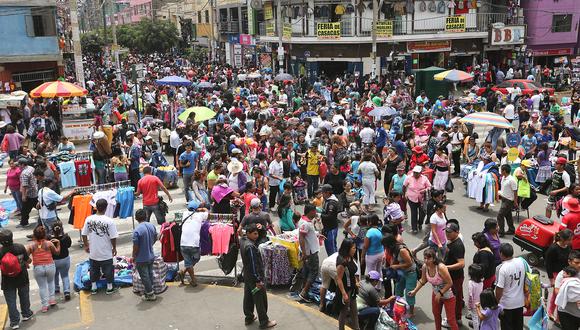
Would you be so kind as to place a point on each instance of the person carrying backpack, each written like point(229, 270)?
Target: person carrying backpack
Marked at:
point(13, 265)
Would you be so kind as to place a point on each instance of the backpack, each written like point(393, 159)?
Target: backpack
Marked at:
point(569, 168)
point(532, 288)
point(10, 265)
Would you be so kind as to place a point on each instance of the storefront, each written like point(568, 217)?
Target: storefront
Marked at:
point(429, 53)
point(552, 56)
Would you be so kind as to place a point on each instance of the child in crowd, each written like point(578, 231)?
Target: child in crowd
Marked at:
point(488, 310)
point(318, 199)
point(120, 168)
point(248, 195)
point(475, 287)
point(358, 190)
point(285, 209)
point(392, 211)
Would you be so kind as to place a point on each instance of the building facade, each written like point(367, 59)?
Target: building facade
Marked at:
point(553, 31)
point(30, 35)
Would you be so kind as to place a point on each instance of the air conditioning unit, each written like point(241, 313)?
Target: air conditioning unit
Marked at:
point(256, 4)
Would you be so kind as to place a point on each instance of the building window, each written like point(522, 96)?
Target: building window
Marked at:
point(207, 17)
point(199, 21)
point(41, 22)
point(562, 23)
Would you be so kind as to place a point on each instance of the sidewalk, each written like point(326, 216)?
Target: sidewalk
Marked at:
point(203, 307)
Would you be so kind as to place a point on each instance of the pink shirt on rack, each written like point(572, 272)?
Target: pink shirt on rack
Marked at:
point(220, 236)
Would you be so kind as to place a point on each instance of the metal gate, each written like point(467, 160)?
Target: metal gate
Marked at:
point(45, 75)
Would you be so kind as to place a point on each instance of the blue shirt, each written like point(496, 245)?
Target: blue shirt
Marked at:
point(528, 143)
point(126, 198)
point(47, 196)
point(135, 157)
point(375, 247)
point(145, 236)
point(401, 148)
point(191, 157)
point(67, 174)
point(398, 182)
point(381, 139)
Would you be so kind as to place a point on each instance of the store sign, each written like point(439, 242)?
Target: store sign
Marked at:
point(507, 35)
point(328, 30)
point(270, 29)
point(246, 39)
point(73, 109)
point(384, 29)
point(251, 20)
point(268, 13)
point(287, 32)
point(234, 39)
point(78, 130)
point(266, 60)
point(455, 23)
point(429, 46)
point(552, 52)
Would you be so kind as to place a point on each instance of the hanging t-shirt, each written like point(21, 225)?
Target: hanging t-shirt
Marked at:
point(67, 174)
point(220, 236)
point(83, 172)
point(126, 198)
point(110, 196)
point(82, 209)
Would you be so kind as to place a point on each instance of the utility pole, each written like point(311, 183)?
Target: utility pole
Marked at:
point(376, 5)
point(76, 39)
point(212, 50)
point(115, 47)
point(104, 20)
point(279, 23)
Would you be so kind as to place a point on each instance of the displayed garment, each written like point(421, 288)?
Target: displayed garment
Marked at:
point(67, 174)
point(292, 246)
point(220, 236)
point(83, 172)
point(123, 274)
point(339, 10)
point(276, 264)
point(126, 198)
point(110, 196)
point(170, 238)
point(205, 243)
point(80, 209)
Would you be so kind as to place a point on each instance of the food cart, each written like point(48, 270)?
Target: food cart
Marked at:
point(78, 119)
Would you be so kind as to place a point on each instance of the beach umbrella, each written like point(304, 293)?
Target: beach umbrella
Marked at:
point(382, 111)
point(201, 114)
point(486, 119)
point(453, 76)
point(173, 81)
point(283, 76)
point(242, 77)
point(205, 84)
point(254, 75)
point(58, 89)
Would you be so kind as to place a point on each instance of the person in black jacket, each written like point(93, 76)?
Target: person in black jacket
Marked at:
point(254, 290)
point(556, 259)
point(329, 217)
point(16, 286)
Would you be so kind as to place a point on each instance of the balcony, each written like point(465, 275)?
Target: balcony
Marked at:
point(359, 30)
point(229, 27)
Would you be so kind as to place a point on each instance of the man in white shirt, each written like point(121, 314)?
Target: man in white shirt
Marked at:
point(509, 199)
point(275, 176)
point(536, 99)
point(367, 134)
point(190, 237)
point(509, 111)
point(509, 290)
point(456, 145)
point(99, 235)
point(309, 247)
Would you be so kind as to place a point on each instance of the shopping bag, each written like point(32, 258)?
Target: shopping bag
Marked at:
point(449, 185)
point(385, 322)
point(539, 321)
point(524, 189)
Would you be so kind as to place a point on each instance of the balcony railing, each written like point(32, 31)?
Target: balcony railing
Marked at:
point(357, 27)
point(229, 27)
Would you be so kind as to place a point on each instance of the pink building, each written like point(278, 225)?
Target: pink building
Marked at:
point(131, 11)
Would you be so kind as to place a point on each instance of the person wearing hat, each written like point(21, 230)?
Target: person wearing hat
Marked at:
point(369, 300)
point(414, 189)
point(572, 219)
point(28, 190)
point(535, 121)
point(237, 178)
point(526, 195)
point(455, 262)
point(329, 217)
point(418, 158)
point(15, 281)
point(259, 218)
point(560, 185)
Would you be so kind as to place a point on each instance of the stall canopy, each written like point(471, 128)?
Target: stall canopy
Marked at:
point(58, 89)
point(12, 100)
point(173, 81)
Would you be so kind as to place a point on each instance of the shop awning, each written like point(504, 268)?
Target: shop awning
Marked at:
point(12, 100)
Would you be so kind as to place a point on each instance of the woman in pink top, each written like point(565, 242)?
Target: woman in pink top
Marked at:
point(436, 273)
point(414, 188)
point(14, 141)
point(13, 183)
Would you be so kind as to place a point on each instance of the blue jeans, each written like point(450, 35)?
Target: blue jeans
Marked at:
point(10, 297)
point(406, 284)
point(154, 209)
point(44, 275)
point(187, 183)
point(330, 241)
point(17, 195)
point(62, 268)
point(369, 315)
point(145, 270)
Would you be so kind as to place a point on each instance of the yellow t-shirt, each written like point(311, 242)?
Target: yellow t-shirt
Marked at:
point(312, 166)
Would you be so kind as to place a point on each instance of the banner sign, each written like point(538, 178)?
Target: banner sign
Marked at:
point(384, 29)
point(287, 32)
point(80, 130)
point(428, 46)
point(507, 35)
point(268, 13)
point(328, 30)
point(270, 29)
point(455, 23)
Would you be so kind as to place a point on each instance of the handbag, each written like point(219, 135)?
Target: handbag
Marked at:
point(449, 185)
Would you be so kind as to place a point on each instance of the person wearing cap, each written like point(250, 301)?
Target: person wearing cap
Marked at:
point(191, 241)
point(509, 200)
point(526, 195)
point(16, 286)
point(455, 262)
point(259, 218)
point(28, 190)
point(148, 147)
point(535, 121)
point(329, 217)
point(414, 189)
point(189, 161)
point(369, 301)
point(560, 185)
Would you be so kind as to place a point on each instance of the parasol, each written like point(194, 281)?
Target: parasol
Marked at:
point(205, 84)
point(58, 89)
point(486, 119)
point(173, 81)
point(453, 76)
point(254, 75)
point(383, 111)
point(283, 76)
point(201, 114)
point(242, 77)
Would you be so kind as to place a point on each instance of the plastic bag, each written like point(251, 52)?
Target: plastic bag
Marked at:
point(449, 185)
point(385, 322)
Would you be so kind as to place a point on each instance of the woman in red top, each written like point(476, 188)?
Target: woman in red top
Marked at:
point(418, 158)
point(13, 183)
point(41, 251)
point(572, 219)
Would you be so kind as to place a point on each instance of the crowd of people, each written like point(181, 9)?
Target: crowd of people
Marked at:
point(273, 145)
